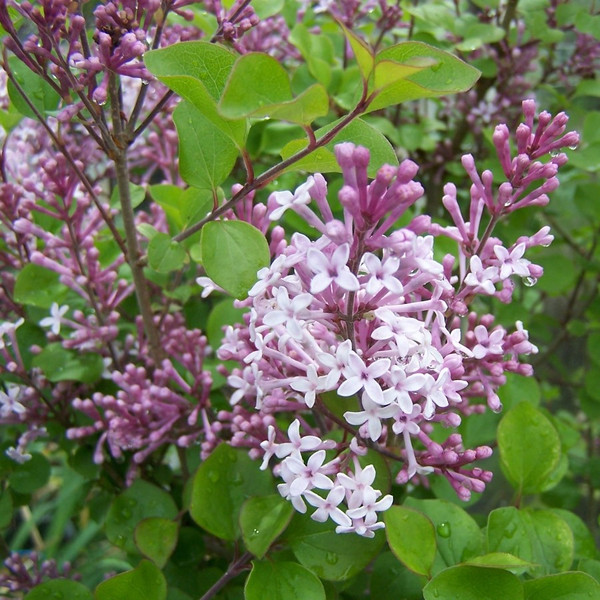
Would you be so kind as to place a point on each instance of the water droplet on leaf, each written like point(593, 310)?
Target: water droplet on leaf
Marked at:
point(444, 530)
point(213, 476)
point(331, 558)
point(530, 281)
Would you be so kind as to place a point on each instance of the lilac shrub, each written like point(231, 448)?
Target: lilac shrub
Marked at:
point(138, 403)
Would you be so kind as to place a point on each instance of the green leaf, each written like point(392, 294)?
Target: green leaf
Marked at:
point(411, 537)
point(140, 501)
point(31, 475)
point(232, 253)
point(40, 92)
point(37, 286)
point(448, 76)
point(164, 254)
point(317, 50)
point(328, 554)
point(262, 520)
point(277, 580)
point(198, 71)
point(145, 582)
point(585, 546)
point(59, 364)
point(474, 583)
point(519, 388)
point(388, 72)
point(391, 580)
point(206, 154)
point(323, 159)
point(502, 560)
point(156, 538)
point(59, 588)
point(137, 194)
point(564, 586)
point(224, 481)
point(362, 52)
point(529, 448)
point(224, 313)
point(458, 536)
point(304, 109)
point(540, 537)
point(182, 207)
point(257, 81)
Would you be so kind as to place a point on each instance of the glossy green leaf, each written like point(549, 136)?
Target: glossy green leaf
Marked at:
point(164, 254)
point(529, 448)
point(271, 580)
point(140, 501)
point(502, 560)
point(37, 286)
point(448, 76)
point(232, 253)
point(60, 589)
point(389, 72)
point(182, 207)
point(59, 364)
point(262, 520)
point(458, 536)
point(474, 583)
point(584, 543)
point(411, 538)
point(206, 154)
point(304, 109)
point(323, 159)
point(328, 554)
point(564, 586)
point(156, 538)
point(145, 582)
point(40, 92)
point(198, 71)
point(540, 537)
point(224, 481)
point(362, 52)
point(31, 475)
point(257, 81)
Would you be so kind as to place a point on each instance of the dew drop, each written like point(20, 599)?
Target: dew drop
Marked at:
point(213, 476)
point(572, 147)
point(331, 558)
point(57, 595)
point(508, 203)
point(530, 281)
point(237, 479)
point(120, 541)
point(436, 67)
point(444, 530)
point(126, 514)
point(554, 153)
point(254, 533)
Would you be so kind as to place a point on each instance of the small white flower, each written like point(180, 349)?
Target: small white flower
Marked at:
point(54, 321)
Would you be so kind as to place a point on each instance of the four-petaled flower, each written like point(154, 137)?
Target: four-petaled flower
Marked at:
point(331, 270)
point(55, 319)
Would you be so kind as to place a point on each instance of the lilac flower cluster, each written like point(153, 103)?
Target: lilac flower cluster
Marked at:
point(25, 571)
point(370, 314)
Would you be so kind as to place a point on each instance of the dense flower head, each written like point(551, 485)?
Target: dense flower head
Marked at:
point(369, 314)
